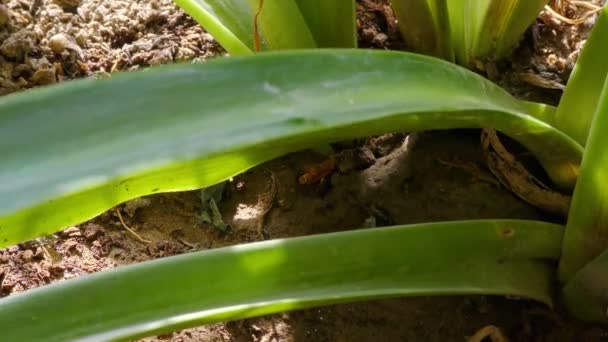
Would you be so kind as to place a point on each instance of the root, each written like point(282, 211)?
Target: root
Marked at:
point(124, 225)
point(492, 332)
point(592, 9)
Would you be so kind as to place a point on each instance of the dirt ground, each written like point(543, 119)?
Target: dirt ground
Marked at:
point(393, 179)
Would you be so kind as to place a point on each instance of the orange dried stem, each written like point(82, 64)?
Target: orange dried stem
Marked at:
point(316, 173)
point(256, 33)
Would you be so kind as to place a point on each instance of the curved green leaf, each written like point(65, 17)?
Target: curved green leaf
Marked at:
point(502, 257)
point(586, 234)
point(586, 293)
point(424, 25)
point(578, 105)
point(230, 22)
point(465, 30)
point(583, 114)
point(504, 25)
point(466, 20)
point(72, 151)
point(282, 25)
point(332, 23)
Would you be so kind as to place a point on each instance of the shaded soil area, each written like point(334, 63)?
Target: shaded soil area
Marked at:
point(429, 176)
point(397, 178)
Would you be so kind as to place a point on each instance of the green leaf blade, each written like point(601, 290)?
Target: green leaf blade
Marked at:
point(583, 114)
point(182, 128)
point(332, 23)
point(586, 234)
point(577, 106)
point(586, 293)
point(284, 24)
point(230, 22)
point(504, 25)
point(424, 25)
point(507, 257)
point(283, 27)
point(465, 30)
point(466, 21)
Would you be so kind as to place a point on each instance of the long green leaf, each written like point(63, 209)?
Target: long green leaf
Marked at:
point(230, 22)
point(583, 114)
point(282, 23)
point(504, 25)
point(72, 151)
point(332, 23)
point(586, 234)
point(466, 20)
point(503, 257)
point(283, 26)
point(465, 30)
point(425, 27)
point(578, 104)
point(586, 294)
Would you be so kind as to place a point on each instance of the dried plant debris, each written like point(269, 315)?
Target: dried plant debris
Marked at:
point(515, 177)
point(210, 214)
point(540, 67)
point(47, 41)
point(491, 332)
point(377, 25)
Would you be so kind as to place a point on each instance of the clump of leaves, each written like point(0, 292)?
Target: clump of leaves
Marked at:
point(464, 31)
point(244, 26)
point(258, 108)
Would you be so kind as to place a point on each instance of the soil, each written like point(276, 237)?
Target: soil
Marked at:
point(49, 41)
point(392, 179)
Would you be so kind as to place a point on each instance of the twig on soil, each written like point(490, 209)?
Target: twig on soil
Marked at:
point(186, 243)
point(129, 229)
point(47, 253)
point(514, 176)
point(267, 201)
point(539, 81)
point(493, 332)
point(4, 273)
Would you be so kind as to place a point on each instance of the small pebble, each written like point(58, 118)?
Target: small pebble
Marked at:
point(70, 244)
point(61, 42)
point(70, 231)
point(135, 204)
point(91, 234)
point(380, 39)
point(184, 54)
point(369, 33)
point(18, 45)
point(28, 254)
point(44, 76)
point(56, 269)
point(39, 253)
point(69, 5)
point(5, 16)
